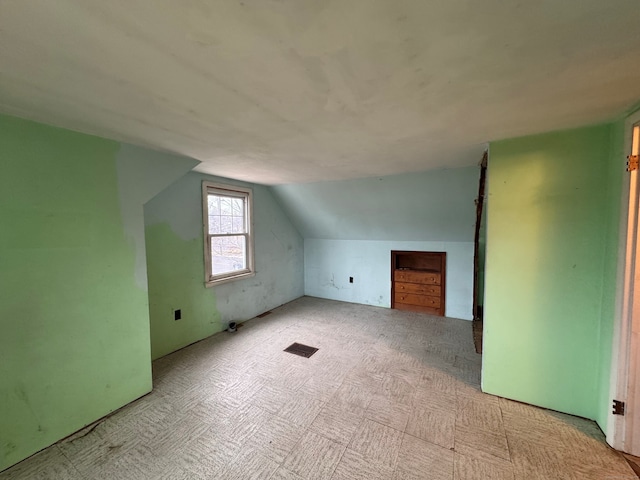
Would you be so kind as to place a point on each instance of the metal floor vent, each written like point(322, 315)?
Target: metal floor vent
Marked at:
point(300, 349)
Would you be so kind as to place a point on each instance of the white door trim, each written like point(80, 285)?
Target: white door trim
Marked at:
point(624, 383)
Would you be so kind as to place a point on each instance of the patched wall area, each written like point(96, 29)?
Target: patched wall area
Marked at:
point(175, 263)
point(74, 318)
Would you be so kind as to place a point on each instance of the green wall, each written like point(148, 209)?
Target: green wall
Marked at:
point(175, 265)
point(176, 280)
point(74, 320)
point(75, 337)
point(549, 257)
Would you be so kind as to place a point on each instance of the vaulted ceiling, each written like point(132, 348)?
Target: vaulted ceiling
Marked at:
point(282, 91)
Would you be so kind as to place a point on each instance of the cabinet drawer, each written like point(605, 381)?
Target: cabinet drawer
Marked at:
point(411, 276)
point(418, 308)
point(433, 290)
point(414, 299)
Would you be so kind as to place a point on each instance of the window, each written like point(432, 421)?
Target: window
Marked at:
point(228, 240)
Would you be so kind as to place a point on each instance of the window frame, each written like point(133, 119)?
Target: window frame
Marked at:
point(232, 191)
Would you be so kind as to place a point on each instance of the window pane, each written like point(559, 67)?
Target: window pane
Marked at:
point(228, 254)
point(226, 205)
point(226, 214)
point(214, 204)
point(226, 224)
point(238, 225)
point(238, 207)
point(214, 224)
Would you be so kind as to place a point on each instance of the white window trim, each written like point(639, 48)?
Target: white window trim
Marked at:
point(208, 187)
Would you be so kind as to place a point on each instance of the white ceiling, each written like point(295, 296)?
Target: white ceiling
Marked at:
point(282, 91)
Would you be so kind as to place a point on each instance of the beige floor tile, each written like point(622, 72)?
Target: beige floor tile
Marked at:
point(216, 409)
point(432, 425)
point(182, 430)
point(249, 465)
point(301, 410)
point(98, 443)
point(562, 459)
point(423, 460)
point(434, 399)
point(411, 371)
point(211, 415)
point(481, 442)
point(466, 393)
point(388, 412)
point(469, 369)
point(206, 456)
point(354, 466)
point(293, 377)
point(377, 442)
point(535, 463)
point(601, 458)
point(243, 388)
point(476, 414)
point(48, 464)
point(320, 388)
point(364, 377)
point(436, 379)
point(540, 429)
point(243, 423)
point(515, 409)
point(538, 461)
point(134, 463)
point(314, 457)
point(272, 398)
point(470, 468)
point(284, 474)
point(398, 389)
point(338, 422)
point(612, 471)
point(353, 394)
point(276, 438)
point(171, 472)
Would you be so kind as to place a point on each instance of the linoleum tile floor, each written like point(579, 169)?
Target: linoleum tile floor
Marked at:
point(389, 395)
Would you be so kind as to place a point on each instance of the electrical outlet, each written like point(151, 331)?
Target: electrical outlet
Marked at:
point(350, 279)
point(177, 314)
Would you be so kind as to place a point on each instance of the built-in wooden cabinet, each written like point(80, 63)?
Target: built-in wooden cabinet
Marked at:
point(418, 281)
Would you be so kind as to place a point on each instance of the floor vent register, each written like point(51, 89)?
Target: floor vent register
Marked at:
point(300, 349)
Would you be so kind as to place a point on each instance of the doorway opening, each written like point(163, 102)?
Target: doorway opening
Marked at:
point(623, 429)
point(479, 257)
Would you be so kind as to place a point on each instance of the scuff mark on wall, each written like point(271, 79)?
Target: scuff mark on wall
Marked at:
point(278, 239)
point(332, 283)
point(21, 393)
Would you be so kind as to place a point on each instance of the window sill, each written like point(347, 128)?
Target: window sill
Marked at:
point(231, 278)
